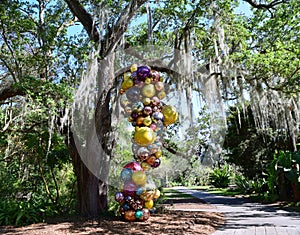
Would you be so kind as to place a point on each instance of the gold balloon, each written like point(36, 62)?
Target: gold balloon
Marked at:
point(147, 121)
point(145, 166)
point(127, 75)
point(148, 90)
point(139, 178)
point(161, 95)
point(156, 194)
point(170, 114)
point(147, 195)
point(146, 101)
point(148, 80)
point(149, 204)
point(133, 68)
point(158, 154)
point(144, 136)
point(126, 84)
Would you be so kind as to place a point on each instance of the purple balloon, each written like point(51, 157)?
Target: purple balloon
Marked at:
point(134, 75)
point(142, 73)
point(155, 101)
point(129, 188)
point(134, 115)
point(156, 163)
point(119, 196)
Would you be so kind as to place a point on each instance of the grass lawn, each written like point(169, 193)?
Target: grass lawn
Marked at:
point(170, 193)
point(219, 191)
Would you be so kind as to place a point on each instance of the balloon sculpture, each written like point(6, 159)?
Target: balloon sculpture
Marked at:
point(142, 91)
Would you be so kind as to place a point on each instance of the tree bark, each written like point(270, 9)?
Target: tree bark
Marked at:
point(85, 18)
point(265, 5)
point(9, 90)
point(92, 192)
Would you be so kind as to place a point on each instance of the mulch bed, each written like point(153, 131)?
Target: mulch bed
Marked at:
point(176, 217)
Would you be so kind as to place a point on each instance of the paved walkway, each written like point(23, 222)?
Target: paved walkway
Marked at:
point(248, 218)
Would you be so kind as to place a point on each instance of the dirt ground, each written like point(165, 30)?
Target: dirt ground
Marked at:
point(177, 217)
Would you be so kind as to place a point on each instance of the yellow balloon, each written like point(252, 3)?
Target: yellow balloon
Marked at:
point(161, 95)
point(147, 195)
point(126, 75)
point(149, 204)
point(147, 121)
point(148, 80)
point(158, 154)
point(139, 178)
point(148, 90)
point(156, 194)
point(144, 136)
point(170, 114)
point(133, 68)
point(145, 166)
point(146, 101)
point(126, 84)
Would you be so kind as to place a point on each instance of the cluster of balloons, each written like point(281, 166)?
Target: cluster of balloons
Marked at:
point(142, 91)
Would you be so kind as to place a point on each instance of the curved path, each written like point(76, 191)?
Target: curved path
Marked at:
point(248, 218)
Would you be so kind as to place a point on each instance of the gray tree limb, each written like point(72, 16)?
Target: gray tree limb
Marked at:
point(85, 18)
point(121, 25)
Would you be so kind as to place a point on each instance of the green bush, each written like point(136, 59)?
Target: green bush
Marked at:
point(243, 184)
point(220, 177)
point(249, 186)
point(23, 212)
point(25, 202)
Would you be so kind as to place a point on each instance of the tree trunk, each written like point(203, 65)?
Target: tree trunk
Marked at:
point(282, 186)
point(91, 142)
point(92, 192)
point(296, 192)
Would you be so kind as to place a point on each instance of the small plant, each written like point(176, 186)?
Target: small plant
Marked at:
point(243, 184)
point(220, 177)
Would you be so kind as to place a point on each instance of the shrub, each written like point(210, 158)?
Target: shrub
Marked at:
point(243, 184)
point(220, 177)
point(250, 186)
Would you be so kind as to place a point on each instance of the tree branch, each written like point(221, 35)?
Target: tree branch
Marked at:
point(173, 151)
point(85, 18)
point(265, 6)
point(9, 90)
point(121, 25)
point(6, 40)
